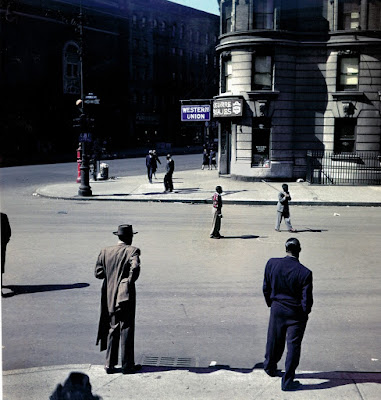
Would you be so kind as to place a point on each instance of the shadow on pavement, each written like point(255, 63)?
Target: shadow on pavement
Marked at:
point(24, 289)
point(242, 237)
point(76, 386)
point(182, 190)
point(306, 229)
point(195, 370)
point(331, 378)
point(335, 378)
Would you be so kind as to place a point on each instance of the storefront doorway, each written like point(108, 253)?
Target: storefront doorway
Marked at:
point(225, 147)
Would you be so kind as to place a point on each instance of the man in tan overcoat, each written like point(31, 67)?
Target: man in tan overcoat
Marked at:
point(119, 267)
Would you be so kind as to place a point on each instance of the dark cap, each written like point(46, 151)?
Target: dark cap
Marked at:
point(125, 230)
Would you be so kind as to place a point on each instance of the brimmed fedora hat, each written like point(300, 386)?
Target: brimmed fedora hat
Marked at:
point(125, 230)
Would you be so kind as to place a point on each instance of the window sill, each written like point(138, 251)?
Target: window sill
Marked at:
point(347, 95)
point(263, 94)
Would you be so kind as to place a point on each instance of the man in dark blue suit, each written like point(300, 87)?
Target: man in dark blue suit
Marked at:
point(287, 288)
point(149, 165)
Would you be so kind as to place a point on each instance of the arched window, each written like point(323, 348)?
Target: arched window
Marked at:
point(71, 70)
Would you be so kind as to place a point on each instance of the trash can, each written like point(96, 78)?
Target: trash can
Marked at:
point(103, 171)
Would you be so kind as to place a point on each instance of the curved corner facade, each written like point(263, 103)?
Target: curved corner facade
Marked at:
point(297, 77)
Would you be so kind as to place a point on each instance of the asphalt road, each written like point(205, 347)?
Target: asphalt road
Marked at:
point(197, 297)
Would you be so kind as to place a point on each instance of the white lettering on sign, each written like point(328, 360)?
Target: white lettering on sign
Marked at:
point(223, 111)
point(195, 109)
point(196, 116)
point(222, 104)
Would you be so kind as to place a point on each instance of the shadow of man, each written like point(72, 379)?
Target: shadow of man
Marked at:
point(24, 289)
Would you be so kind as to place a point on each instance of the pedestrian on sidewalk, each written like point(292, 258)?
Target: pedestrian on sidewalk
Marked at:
point(119, 267)
point(155, 160)
point(283, 210)
point(287, 288)
point(217, 209)
point(170, 167)
point(149, 165)
point(5, 237)
point(212, 159)
point(205, 159)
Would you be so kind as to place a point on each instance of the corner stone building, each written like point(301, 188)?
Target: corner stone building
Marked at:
point(308, 76)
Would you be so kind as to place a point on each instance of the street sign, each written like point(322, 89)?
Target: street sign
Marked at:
point(92, 99)
point(194, 113)
point(85, 137)
point(227, 107)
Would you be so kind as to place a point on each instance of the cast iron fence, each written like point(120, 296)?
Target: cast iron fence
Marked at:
point(328, 168)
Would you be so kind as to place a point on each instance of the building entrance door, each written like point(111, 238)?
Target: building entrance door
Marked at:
point(225, 147)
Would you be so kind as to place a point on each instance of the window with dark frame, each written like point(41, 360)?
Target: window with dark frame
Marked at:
point(345, 135)
point(262, 72)
point(227, 71)
point(227, 16)
point(349, 14)
point(347, 73)
point(261, 142)
point(263, 17)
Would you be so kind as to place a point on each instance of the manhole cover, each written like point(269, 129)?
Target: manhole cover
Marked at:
point(181, 362)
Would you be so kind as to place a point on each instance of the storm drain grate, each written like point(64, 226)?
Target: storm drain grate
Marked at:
point(180, 362)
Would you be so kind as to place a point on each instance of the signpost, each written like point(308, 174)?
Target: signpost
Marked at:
point(92, 99)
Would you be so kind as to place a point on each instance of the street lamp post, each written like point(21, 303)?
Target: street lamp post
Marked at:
point(84, 138)
point(84, 188)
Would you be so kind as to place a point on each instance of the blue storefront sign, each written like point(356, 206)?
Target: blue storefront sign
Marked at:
point(194, 113)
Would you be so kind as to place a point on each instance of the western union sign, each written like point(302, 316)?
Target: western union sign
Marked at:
point(194, 113)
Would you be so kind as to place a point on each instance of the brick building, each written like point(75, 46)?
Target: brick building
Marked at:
point(305, 77)
point(140, 57)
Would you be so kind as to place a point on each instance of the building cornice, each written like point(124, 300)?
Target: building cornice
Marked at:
point(288, 38)
point(337, 42)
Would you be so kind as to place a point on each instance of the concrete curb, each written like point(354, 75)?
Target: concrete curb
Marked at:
point(196, 187)
point(226, 201)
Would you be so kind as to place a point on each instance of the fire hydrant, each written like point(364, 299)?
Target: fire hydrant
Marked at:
point(79, 162)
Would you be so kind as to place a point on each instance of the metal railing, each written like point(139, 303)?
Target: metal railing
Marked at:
point(328, 168)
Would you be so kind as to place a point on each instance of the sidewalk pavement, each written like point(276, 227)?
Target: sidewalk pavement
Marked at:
point(161, 383)
point(198, 186)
